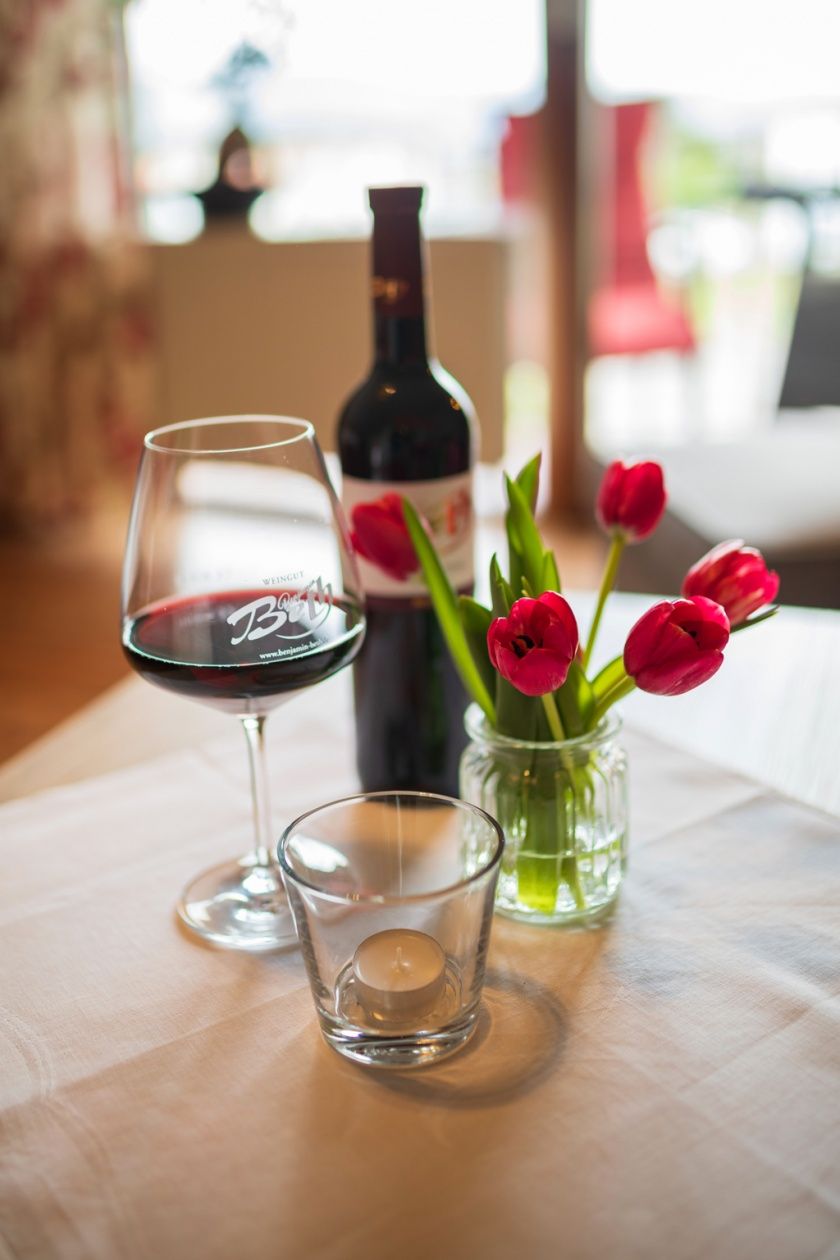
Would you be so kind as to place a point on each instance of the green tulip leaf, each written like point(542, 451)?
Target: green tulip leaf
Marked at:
point(611, 685)
point(550, 573)
point(476, 620)
point(500, 591)
point(523, 535)
point(610, 676)
point(517, 581)
point(474, 616)
point(445, 603)
point(575, 701)
point(528, 481)
point(516, 714)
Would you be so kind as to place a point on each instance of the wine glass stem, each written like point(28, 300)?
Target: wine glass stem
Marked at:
point(253, 727)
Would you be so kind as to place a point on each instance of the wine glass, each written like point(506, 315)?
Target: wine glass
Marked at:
point(239, 589)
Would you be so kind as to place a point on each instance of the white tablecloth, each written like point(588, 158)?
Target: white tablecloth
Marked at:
point(664, 1086)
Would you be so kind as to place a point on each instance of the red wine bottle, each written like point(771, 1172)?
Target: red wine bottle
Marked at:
point(409, 429)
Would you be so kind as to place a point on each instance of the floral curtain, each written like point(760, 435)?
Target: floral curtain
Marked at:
point(75, 343)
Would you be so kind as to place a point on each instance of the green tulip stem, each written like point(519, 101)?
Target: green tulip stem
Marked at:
point(755, 618)
point(554, 723)
point(607, 583)
point(621, 689)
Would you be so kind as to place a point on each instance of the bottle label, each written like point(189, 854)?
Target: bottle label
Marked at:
point(388, 563)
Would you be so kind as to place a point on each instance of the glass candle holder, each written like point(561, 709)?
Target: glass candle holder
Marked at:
point(392, 896)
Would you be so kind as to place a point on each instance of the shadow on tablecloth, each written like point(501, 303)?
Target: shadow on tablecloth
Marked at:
point(519, 1041)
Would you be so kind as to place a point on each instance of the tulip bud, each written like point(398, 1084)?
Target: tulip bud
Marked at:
point(676, 645)
point(534, 646)
point(631, 499)
point(736, 577)
point(379, 534)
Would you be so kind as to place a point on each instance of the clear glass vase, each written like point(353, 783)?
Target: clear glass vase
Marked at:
point(563, 810)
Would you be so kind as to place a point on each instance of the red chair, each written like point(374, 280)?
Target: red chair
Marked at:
point(628, 313)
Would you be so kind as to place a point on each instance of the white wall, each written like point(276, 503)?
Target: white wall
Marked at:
point(245, 326)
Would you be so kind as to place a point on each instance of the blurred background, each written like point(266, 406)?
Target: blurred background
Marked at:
point(634, 223)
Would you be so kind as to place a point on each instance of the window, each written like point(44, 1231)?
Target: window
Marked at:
point(333, 96)
point(736, 170)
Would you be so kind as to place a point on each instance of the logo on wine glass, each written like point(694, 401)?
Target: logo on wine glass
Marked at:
point(291, 614)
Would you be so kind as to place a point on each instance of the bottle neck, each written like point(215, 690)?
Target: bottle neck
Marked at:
point(399, 339)
point(397, 286)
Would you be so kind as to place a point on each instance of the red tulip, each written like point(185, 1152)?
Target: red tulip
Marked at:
point(380, 534)
point(631, 499)
point(676, 645)
point(535, 645)
point(736, 577)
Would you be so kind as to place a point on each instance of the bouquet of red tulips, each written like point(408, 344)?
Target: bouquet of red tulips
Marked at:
point(528, 645)
point(524, 663)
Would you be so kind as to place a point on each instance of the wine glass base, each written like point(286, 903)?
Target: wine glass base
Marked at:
point(239, 905)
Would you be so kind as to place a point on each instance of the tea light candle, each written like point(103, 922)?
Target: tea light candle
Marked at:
point(399, 974)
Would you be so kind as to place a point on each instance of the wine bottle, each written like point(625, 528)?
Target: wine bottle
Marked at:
point(409, 429)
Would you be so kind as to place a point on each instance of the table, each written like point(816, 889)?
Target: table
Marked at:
point(665, 1086)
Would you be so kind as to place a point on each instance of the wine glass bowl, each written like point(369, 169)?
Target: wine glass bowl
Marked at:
point(239, 589)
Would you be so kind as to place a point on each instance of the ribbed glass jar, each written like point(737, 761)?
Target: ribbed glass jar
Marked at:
point(563, 810)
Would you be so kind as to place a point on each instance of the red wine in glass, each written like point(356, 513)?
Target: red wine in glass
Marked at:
point(243, 651)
